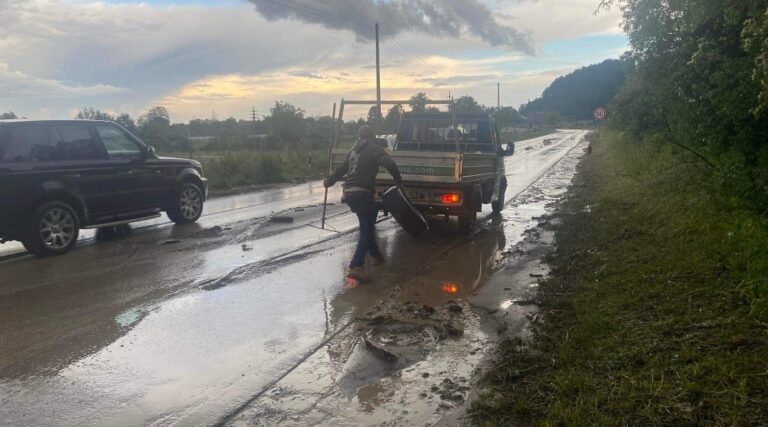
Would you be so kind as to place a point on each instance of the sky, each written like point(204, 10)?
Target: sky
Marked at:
point(197, 57)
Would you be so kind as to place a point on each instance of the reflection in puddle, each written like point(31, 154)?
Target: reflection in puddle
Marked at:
point(450, 288)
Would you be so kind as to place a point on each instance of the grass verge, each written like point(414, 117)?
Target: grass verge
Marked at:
point(228, 170)
point(655, 311)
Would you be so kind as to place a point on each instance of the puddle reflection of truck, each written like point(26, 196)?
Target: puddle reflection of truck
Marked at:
point(451, 164)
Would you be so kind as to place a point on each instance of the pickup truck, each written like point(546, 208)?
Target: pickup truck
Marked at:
point(451, 164)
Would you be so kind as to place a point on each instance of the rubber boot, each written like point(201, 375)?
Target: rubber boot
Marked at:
point(359, 274)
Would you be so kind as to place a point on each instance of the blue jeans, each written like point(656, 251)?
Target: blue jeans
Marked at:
point(362, 204)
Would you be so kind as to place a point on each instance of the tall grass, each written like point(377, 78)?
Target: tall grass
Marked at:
point(656, 309)
point(226, 170)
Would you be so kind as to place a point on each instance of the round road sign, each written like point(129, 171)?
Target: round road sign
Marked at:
point(600, 113)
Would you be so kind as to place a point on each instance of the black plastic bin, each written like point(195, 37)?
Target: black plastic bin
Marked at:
point(404, 212)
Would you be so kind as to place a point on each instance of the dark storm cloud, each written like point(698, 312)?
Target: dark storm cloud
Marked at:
point(442, 18)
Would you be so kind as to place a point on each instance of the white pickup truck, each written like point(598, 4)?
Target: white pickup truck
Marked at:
point(451, 164)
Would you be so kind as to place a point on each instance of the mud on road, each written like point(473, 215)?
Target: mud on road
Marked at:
point(245, 320)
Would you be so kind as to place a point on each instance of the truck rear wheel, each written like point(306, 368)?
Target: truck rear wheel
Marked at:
point(498, 205)
point(467, 223)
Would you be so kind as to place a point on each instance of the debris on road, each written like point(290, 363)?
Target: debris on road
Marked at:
point(169, 242)
point(210, 232)
point(453, 307)
point(380, 351)
point(281, 218)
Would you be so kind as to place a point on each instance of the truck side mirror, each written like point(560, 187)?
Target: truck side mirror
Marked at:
point(150, 152)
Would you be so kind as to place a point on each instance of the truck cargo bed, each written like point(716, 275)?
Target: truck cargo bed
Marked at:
point(435, 167)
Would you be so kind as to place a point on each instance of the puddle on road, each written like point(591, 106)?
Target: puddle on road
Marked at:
point(430, 333)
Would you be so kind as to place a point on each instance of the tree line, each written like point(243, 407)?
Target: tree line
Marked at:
point(698, 79)
point(286, 127)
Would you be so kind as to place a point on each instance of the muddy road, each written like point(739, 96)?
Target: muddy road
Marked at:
point(246, 319)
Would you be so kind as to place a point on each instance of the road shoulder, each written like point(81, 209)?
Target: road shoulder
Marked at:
point(646, 317)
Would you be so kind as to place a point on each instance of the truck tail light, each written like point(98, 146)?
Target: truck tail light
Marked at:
point(451, 197)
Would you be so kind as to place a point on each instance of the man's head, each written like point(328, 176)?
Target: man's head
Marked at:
point(366, 132)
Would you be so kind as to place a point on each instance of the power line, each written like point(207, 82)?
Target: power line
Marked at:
point(412, 55)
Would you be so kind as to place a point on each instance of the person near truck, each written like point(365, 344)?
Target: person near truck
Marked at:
point(361, 167)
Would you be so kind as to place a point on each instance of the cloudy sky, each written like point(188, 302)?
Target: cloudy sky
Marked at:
point(199, 56)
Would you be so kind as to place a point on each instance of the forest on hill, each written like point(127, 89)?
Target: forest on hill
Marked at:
point(575, 95)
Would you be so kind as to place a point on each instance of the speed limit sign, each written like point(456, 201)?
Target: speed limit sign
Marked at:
point(600, 113)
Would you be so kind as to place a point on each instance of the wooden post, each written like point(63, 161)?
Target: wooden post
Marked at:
point(379, 114)
point(330, 162)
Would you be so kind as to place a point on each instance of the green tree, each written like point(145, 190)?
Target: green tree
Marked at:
point(697, 79)
point(466, 104)
point(287, 123)
point(507, 117)
point(126, 121)
point(373, 116)
point(90, 113)
point(154, 126)
point(392, 120)
point(419, 102)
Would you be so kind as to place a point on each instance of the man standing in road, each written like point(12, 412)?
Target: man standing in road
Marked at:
point(361, 167)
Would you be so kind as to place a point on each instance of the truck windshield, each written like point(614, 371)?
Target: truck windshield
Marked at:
point(445, 135)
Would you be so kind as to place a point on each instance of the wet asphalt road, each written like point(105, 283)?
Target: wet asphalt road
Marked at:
point(162, 324)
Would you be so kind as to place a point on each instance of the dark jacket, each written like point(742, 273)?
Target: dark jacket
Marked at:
point(362, 166)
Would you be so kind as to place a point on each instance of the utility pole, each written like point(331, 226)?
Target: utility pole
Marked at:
point(253, 119)
point(378, 82)
point(498, 96)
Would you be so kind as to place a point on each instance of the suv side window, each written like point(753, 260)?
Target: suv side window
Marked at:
point(117, 143)
point(27, 143)
point(75, 142)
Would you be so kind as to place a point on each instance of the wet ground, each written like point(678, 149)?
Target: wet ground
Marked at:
point(246, 318)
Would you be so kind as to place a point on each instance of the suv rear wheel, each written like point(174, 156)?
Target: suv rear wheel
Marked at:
point(53, 230)
point(187, 206)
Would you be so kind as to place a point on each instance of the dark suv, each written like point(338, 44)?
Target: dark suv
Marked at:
point(59, 176)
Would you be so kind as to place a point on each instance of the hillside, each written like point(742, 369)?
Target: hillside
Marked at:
point(575, 95)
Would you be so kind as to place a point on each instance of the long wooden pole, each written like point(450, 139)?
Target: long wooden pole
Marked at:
point(378, 84)
point(330, 162)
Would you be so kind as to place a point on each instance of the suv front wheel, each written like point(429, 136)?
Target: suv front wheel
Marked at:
point(53, 230)
point(187, 206)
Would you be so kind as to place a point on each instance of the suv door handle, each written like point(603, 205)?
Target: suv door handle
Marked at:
point(130, 172)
